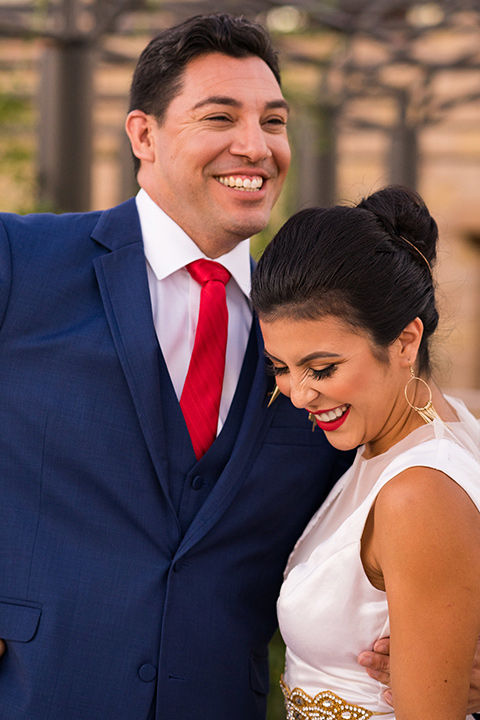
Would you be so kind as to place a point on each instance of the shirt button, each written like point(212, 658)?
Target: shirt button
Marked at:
point(147, 673)
point(197, 483)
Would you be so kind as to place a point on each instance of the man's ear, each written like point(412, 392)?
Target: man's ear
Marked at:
point(138, 126)
point(408, 342)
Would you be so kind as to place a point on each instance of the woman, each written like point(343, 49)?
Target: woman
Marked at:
point(346, 302)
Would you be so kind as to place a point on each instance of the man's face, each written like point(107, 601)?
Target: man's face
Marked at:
point(221, 151)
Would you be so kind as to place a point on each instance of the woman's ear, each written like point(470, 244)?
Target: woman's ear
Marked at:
point(409, 341)
point(138, 126)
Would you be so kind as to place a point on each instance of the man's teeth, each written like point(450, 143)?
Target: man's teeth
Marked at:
point(333, 414)
point(254, 183)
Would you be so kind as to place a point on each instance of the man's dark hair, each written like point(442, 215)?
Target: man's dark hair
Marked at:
point(158, 76)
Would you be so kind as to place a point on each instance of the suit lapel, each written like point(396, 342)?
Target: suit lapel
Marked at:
point(123, 284)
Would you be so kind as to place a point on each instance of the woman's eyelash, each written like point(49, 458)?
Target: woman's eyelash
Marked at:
point(274, 370)
point(325, 372)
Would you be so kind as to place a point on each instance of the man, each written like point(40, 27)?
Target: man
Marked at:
point(138, 573)
point(140, 557)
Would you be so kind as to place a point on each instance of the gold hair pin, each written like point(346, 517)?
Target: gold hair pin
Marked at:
point(419, 252)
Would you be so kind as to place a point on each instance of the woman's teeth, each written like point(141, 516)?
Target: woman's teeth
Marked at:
point(332, 414)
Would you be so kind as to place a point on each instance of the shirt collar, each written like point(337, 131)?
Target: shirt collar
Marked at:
point(168, 248)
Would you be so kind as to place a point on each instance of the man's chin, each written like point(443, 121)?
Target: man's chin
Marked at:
point(246, 227)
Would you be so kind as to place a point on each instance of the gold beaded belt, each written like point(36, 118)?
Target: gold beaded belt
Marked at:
point(324, 706)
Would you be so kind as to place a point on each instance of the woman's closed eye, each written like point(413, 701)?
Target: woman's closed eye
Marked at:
point(323, 373)
point(320, 374)
point(276, 369)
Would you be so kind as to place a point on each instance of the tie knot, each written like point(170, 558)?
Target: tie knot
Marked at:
point(204, 270)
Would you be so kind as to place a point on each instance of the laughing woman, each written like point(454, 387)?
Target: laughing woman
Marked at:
point(346, 302)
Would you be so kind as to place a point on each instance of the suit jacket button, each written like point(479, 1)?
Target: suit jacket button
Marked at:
point(197, 483)
point(147, 673)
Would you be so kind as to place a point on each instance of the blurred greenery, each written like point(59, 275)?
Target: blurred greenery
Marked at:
point(15, 110)
point(283, 209)
point(17, 152)
point(276, 708)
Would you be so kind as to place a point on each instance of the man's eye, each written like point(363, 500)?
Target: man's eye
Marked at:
point(275, 122)
point(219, 118)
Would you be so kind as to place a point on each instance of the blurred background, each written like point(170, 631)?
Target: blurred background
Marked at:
point(382, 91)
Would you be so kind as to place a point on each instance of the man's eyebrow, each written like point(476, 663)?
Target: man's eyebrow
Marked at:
point(232, 102)
point(280, 103)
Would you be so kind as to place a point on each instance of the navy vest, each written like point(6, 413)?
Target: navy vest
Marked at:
point(190, 481)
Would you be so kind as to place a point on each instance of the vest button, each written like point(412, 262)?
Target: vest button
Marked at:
point(147, 673)
point(197, 483)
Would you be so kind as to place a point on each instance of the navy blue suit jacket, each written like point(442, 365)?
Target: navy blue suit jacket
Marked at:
point(108, 609)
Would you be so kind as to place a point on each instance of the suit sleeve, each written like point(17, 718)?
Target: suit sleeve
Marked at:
point(5, 270)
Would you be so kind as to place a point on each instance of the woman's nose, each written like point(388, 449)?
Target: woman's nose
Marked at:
point(301, 394)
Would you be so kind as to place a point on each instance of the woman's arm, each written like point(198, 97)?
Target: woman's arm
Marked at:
point(377, 664)
point(426, 543)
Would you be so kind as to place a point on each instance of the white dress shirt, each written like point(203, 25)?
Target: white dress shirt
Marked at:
point(175, 297)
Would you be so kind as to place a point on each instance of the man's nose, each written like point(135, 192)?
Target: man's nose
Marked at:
point(251, 142)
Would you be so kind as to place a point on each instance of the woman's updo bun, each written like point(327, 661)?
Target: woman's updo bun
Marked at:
point(403, 214)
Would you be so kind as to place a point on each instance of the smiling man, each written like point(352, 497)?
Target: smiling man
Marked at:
point(216, 160)
point(151, 496)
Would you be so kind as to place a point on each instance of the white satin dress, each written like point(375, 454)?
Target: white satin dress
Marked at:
point(328, 610)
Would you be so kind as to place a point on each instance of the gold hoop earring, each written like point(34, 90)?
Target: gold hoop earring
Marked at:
point(427, 412)
point(274, 395)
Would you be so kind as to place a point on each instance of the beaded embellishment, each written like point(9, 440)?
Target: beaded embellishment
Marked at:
point(324, 706)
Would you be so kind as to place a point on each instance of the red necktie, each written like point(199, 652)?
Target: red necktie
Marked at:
point(200, 401)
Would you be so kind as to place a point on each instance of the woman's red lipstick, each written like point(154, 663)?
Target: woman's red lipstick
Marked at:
point(332, 424)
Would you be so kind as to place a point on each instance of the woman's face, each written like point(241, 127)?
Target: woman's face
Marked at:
point(332, 372)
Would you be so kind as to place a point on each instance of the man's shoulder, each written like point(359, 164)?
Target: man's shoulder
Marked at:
point(44, 227)
point(50, 223)
point(40, 220)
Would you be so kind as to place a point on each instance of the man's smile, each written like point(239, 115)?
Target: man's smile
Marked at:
point(251, 184)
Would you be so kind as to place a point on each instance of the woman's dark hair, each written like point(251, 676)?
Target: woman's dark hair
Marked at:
point(158, 76)
point(368, 265)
